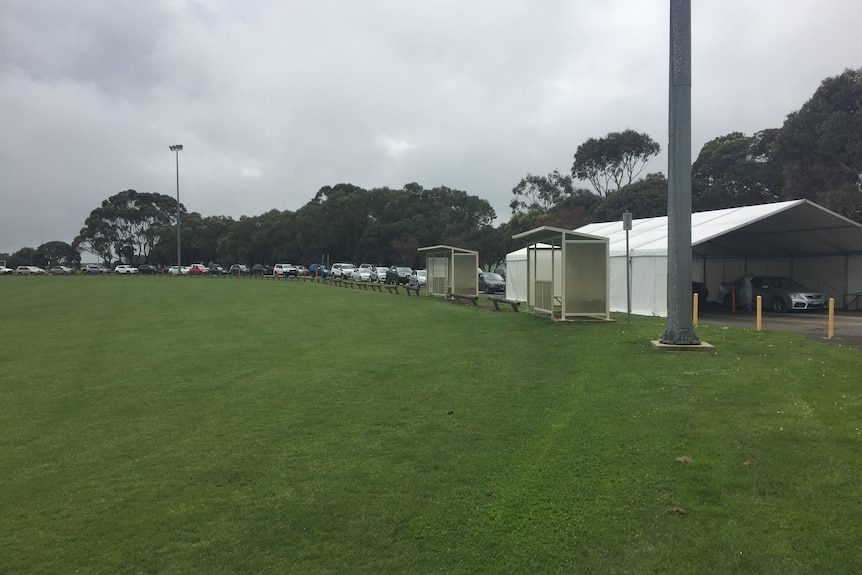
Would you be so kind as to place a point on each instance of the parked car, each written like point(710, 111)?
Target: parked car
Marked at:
point(94, 269)
point(301, 270)
point(341, 270)
point(418, 278)
point(125, 269)
point(29, 270)
point(147, 269)
point(284, 270)
point(198, 270)
point(378, 274)
point(261, 270)
point(778, 294)
point(491, 282)
point(361, 274)
point(318, 270)
point(176, 270)
point(239, 270)
point(502, 271)
point(4, 271)
point(61, 271)
point(398, 275)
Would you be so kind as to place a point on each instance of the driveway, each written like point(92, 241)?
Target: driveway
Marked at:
point(815, 325)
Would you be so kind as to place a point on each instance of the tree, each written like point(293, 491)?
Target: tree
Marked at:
point(820, 146)
point(126, 225)
point(645, 198)
point(614, 161)
point(736, 170)
point(58, 253)
point(540, 193)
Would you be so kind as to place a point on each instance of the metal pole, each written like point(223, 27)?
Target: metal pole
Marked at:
point(679, 301)
point(177, 149)
point(627, 225)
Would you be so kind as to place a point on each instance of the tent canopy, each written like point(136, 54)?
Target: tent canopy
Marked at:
point(792, 228)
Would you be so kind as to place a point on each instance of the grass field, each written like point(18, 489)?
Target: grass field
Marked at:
point(191, 425)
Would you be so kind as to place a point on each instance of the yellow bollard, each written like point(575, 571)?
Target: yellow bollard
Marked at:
point(694, 309)
point(831, 330)
point(759, 313)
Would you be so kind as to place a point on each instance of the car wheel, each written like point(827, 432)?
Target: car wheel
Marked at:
point(778, 305)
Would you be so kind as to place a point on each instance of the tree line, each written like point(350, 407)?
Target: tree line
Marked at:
point(816, 154)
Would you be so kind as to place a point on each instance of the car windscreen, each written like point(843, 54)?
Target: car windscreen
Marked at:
point(492, 277)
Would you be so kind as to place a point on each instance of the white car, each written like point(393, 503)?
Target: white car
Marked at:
point(29, 270)
point(173, 270)
point(342, 271)
point(418, 278)
point(125, 269)
point(284, 270)
point(361, 274)
point(4, 271)
point(380, 273)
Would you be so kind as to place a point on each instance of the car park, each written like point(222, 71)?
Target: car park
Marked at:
point(398, 275)
point(778, 294)
point(61, 271)
point(491, 282)
point(125, 269)
point(94, 269)
point(418, 278)
point(284, 270)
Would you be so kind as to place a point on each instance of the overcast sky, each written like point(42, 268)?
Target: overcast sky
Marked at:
point(274, 99)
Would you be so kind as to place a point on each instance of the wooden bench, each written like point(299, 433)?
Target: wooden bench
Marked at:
point(414, 289)
point(497, 300)
point(473, 299)
point(392, 288)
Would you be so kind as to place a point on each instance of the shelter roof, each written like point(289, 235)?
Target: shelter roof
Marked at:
point(554, 236)
point(449, 249)
point(796, 227)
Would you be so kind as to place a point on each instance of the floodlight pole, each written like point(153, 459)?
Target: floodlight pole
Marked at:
point(680, 330)
point(177, 149)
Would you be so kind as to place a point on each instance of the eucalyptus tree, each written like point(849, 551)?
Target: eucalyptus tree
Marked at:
point(614, 161)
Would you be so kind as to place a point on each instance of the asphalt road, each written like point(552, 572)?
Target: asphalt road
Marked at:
point(815, 325)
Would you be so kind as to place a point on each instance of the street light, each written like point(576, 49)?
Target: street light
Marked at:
point(177, 149)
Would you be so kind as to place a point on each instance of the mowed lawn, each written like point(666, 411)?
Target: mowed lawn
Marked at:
point(196, 425)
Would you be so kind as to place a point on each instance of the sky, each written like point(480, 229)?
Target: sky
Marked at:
point(274, 99)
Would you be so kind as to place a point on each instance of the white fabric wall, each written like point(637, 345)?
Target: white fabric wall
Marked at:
point(516, 275)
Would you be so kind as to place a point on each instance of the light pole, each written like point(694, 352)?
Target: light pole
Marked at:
point(177, 149)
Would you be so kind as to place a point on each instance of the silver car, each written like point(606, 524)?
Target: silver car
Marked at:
point(778, 294)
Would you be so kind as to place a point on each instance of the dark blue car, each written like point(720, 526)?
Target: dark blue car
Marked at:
point(318, 270)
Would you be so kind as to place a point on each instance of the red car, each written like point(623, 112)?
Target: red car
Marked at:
point(198, 270)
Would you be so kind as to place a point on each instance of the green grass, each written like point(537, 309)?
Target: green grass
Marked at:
point(191, 425)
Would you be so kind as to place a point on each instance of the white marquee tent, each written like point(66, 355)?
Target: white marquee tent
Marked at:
point(797, 238)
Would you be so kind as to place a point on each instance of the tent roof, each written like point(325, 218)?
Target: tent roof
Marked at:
point(796, 227)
